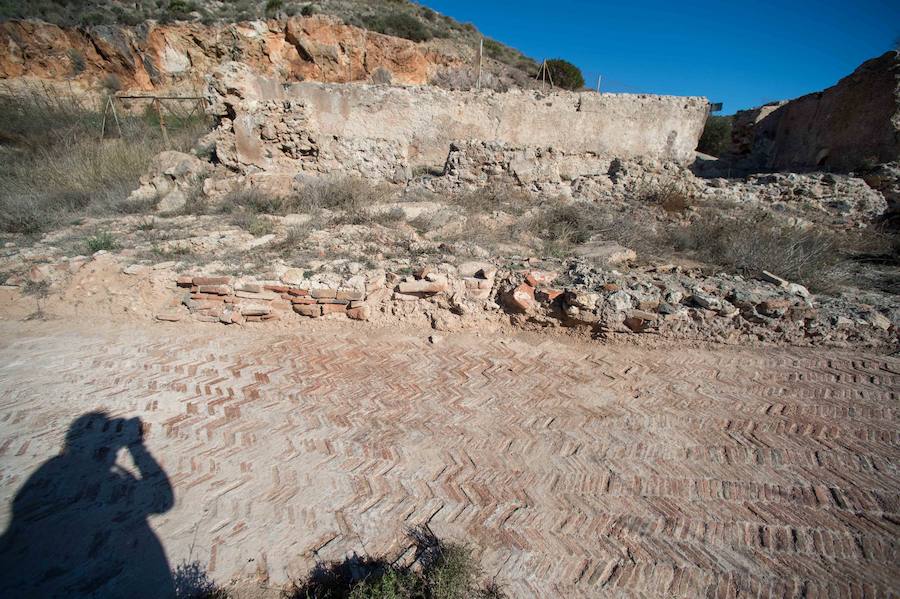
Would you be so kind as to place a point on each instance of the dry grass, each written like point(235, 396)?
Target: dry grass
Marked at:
point(669, 195)
point(493, 198)
point(55, 167)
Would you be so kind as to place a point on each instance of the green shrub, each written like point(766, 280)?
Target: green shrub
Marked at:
point(565, 74)
point(76, 58)
point(181, 9)
point(101, 241)
point(273, 6)
point(399, 24)
point(716, 137)
point(440, 571)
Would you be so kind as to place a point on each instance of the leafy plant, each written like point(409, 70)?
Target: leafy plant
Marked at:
point(565, 74)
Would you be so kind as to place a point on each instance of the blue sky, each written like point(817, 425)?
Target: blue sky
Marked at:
point(740, 53)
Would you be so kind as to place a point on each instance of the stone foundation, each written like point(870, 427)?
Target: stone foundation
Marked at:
point(665, 301)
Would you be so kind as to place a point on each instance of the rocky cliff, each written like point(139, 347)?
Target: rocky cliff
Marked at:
point(151, 56)
point(853, 124)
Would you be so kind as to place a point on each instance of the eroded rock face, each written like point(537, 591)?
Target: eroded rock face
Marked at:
point(153, 56)
point(852, 124)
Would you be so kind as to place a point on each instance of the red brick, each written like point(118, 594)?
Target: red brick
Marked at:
point(184, 281)
point(521, 298)
point(207, 296)
point(302, 300)
point(216, 289)
point(547, 295)
point(334, 308)
point(424, 287)
point(536, 278)
point(212, 280)
point(277, 288)
point(312, 310)
point(362, 312)
point(323, 293)
point(350, 294)
point(298, 292)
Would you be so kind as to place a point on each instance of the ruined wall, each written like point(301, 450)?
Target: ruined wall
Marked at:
point(428, 119)
point(378, 130)
point(852, 124)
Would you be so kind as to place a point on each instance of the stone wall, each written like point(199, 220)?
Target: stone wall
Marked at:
point(386, 131)
point(853, 124)
point(427, 119)
point(665, 301)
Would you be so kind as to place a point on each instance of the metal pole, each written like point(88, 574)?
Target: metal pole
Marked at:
point(598, 83)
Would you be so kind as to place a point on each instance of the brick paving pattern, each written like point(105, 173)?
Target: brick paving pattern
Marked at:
point(576, 470)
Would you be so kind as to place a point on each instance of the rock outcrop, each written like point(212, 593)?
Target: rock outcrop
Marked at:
point(853, 124)
point(153, 56)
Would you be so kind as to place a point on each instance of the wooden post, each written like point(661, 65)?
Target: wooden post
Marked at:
point(480, 60)
point(103, 124)
point(162, 123)
point(112, 104)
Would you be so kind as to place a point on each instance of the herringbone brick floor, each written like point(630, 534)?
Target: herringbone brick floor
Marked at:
point(575, 469)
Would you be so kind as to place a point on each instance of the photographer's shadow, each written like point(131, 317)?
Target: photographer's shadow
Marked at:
point(79, 523)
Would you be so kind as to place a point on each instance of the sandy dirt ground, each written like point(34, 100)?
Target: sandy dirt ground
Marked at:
point(573, 468)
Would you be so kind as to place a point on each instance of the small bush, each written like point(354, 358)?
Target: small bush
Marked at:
point(813, 257)
point(111, 83)
point(273, 6)
point(76, 59)
point(565, 74)
point(716, 137)
point(439, 571)
point(399, 24)
point(192, 582)
point(492, 198)
point(308, 10)
point(101, 241)
point(668, 195)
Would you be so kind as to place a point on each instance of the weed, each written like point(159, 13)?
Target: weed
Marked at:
point(492, 198)
point(171, 253)
point(669, 195)
point(38, 289)
point(439, 571)
point(809, 256)
point(147, 224)
point(58, 136)
point(192, 582)
point(103, 240)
